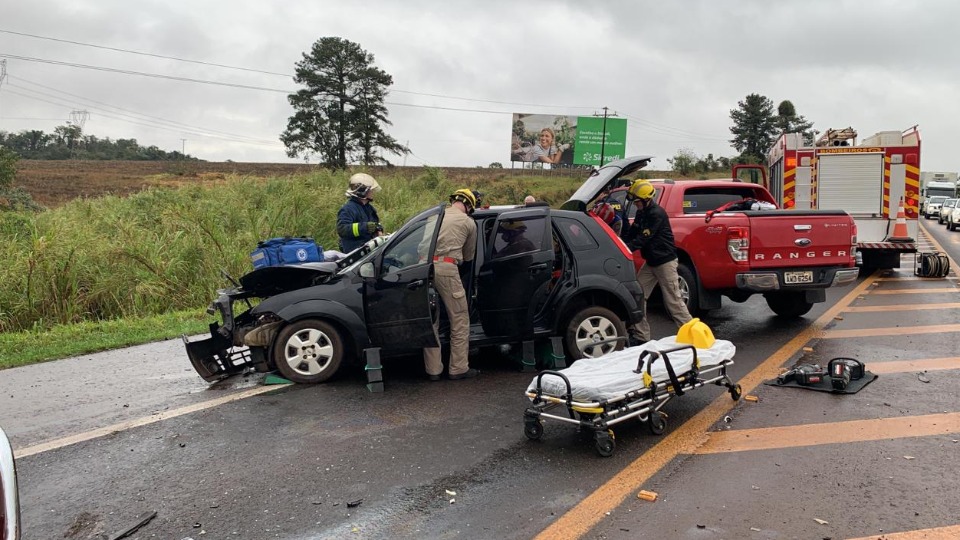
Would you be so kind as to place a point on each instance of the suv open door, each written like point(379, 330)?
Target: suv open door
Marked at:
point(517, 264)
point(398, 300)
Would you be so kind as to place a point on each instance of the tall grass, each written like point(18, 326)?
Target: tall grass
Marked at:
point(162, 250)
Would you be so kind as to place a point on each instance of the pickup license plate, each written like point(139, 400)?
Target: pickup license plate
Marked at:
point(792, 278)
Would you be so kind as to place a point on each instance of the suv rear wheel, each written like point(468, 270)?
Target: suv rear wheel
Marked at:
point(590, 326)
point(308, 351)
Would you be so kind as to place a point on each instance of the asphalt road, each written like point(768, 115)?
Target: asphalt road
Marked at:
point(103, 440)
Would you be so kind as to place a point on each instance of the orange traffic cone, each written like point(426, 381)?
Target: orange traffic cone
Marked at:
point(900, 232)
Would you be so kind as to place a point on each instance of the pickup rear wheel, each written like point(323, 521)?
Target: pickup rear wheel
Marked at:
point(790, 304)
point(591, 326)
point(688, 288)
point(308, 351)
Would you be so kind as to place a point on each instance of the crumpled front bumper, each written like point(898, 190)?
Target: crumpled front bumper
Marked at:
point(217, 357)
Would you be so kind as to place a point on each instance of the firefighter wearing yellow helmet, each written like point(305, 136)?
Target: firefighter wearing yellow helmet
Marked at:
point(456, 244)
point(652, 235)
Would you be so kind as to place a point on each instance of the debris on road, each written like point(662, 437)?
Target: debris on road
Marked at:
point(922, 378)
point(909, 457)
point(451, 493)
point(647, 495)
point(136, 527)
point(750, 397)
point(354, 504)
point(821, 521)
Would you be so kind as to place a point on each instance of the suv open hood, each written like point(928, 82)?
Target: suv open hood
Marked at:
point(273, 280)
point(603, 178)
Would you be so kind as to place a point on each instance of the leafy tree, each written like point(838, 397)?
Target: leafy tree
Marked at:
point(496, 165)
point(12, 198)
point(8, 167)
point(754, 128)
point(788, 121)
point(340, 115)
point(684, 161)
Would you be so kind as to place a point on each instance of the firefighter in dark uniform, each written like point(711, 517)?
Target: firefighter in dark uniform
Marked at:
point(456, 244)
point(652, 235)
point(357, 220)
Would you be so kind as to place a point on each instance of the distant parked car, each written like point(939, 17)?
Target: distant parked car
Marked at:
point(945, 210)
point(953, 220)
point(931, 206)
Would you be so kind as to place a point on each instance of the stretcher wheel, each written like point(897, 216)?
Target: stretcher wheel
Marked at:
point(605, 443)
point(533, 429)
point(657, 422)
point(736, 392)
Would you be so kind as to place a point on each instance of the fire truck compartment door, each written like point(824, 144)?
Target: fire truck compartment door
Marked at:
point(852, 182)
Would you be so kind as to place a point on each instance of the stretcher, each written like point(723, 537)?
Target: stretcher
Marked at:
point(597, 393)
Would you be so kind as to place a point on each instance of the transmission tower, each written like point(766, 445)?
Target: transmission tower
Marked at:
point(78, 118)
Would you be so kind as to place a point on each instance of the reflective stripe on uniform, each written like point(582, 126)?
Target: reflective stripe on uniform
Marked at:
point(356, 229)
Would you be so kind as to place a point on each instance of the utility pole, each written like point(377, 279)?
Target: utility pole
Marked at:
point(183, 147)
point(603, 139)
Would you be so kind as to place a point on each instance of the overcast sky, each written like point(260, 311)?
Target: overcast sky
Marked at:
point(674, 70)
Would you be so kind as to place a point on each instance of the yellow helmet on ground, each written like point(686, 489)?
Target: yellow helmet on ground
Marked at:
point(641, 189)
point(466, 197)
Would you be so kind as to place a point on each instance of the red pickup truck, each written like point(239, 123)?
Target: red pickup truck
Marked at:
point(729, 247)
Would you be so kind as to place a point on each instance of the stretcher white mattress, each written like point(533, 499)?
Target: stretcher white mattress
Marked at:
point(612, 375)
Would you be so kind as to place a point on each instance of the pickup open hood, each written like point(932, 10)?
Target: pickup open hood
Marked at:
point(603, 178)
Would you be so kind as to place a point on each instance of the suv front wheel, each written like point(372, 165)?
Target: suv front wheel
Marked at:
point(592, 332)
point(308, 351)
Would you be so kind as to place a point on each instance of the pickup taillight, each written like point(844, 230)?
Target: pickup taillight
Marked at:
point(853, 243)
point(738, 243)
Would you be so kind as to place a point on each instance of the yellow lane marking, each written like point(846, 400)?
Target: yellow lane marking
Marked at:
point(156, 417)
point(917, 291)
point(951, 532)
point(892, 331)
point(851, 431)
point(925, 364)
point(588, 512)
point(902, 307)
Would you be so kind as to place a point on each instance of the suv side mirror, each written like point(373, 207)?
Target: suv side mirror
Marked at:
point(367, 270)
point(9, 499)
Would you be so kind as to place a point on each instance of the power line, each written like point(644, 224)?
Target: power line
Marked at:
point(172, 122)
point(117, 49)
point(154, 126)
point(265, 72)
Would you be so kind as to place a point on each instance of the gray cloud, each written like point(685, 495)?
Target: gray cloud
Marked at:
point(673, 69)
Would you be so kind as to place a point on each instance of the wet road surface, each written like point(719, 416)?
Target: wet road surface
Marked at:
point(448, 459)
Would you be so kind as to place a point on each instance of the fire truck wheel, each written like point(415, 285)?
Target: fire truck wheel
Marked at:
point(788, 304)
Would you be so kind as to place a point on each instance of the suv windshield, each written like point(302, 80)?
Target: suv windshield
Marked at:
point(937, 199)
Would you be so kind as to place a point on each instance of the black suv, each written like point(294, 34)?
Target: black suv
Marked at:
point(570, 276)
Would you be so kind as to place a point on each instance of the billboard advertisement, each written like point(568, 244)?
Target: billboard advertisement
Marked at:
point(567, 140)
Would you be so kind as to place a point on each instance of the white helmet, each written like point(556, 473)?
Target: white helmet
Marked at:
point(361, 185)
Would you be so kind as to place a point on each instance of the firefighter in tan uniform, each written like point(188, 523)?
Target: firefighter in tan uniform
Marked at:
point(456, 243)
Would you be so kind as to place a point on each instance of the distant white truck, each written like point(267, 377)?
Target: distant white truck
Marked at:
point(934, 188)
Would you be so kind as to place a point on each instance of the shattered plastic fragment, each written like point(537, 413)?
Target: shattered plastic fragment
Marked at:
point(451, 493)
point(821, 521)
point(751, 398)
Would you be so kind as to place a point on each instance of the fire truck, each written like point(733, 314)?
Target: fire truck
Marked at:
point(869, 181)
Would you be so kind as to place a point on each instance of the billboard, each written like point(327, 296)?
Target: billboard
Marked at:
point(567, 140)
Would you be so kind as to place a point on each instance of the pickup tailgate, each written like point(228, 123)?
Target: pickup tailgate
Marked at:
point(783, 238)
